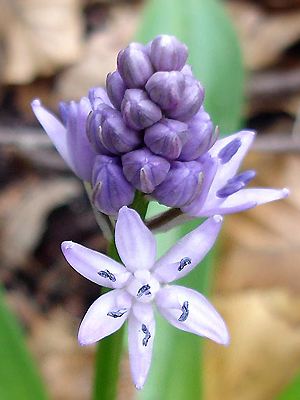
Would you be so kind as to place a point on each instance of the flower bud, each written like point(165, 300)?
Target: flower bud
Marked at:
point(200, 136)
point(114, 135)
point(144, 169)
point(138, 110)
point(178, 94)
point(115, 87)
point(181, 185)
point(93, 129)
point(166, 138)
point(134, 65)
point(111, 190)
point(168, 53)
point(98, 97)
point(187, 70)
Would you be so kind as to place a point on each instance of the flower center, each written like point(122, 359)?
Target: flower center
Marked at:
point(143, 286)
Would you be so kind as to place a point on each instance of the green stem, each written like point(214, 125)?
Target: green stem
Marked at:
point(109, 350)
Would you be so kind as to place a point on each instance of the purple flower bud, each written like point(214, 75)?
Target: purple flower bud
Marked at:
point(179, 95)
point(182, 184)
point(187, 70)
point(144, 169)
point(115, 87)
point(134, 65)
point(168, 53)
point(138, 110)
point(114, 135)
point(94, 130)
point(166, 138)
point(111, 190)
point(200, 136)
point(98, 97)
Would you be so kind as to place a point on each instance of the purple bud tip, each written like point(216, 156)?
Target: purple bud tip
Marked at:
point(168, 53)
point(111, 190)
point(179, 95)
point(182, 184)
point(144, 169)
point(166, 138)
point(236, 183)
point(138, 111)
point(98, 97)
point(229, 150)
point(200, 136)
point(134, 65)
point(115, 87)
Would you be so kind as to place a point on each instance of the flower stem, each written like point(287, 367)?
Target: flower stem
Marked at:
point(109, 350)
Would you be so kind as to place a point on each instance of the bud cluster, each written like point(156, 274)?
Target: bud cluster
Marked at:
point(149, 127)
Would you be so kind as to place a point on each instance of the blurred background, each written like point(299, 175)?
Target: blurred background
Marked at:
point(57, 50)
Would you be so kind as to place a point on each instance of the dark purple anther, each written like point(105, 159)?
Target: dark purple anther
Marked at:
point(116, 88)
point(185, 311)
point(98, 97)
point(115, 136)
point(166, 138)
point(144, 169)
point(111, 190)
point(168, 53)
point(134, 65)
point(179, 95)
point(236, 183)
point(229, 150)
point(182, 184)
point(200, 136)
point(138, 111)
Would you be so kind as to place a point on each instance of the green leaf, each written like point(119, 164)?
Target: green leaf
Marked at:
point(19, 379)
point(292, 391)
point(214, 51)
point(216, 61)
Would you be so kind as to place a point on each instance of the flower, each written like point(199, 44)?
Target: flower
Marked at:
point(143, 282)
point(70, 138)
point(223, 190)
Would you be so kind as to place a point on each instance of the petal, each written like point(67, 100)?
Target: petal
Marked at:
point(54, 129)
point(135, 243)
point(193, 247)
point(141, 331)
point(227, 170)
point(246, 199)
point(95, 266)
point(97, 324)
point(190, 311)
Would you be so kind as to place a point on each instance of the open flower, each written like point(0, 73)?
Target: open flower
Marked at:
point(223, 190)
point(142, 283)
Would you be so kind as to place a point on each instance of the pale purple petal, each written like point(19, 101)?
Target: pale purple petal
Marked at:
point(246, 199)
point(135, 243)
point(188, 251)
point(141, 331)
point(99, 321)
point(54, 129)
point(190, 311)
point(95, 266)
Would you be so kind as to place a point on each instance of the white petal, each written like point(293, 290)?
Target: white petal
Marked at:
point(195, 245)
point(135, 242)
point(201, 319)
point(141, 331)
point(54, 129)
point(97, 324)
point(245, 199)
point(95, 266)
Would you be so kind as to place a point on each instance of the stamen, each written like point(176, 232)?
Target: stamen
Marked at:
point(147, 335)
point(229, 150)
point(236, 183)
point(144, 290)
point(185, 312)
point(183, 263)
point(107, 274)
point(118, 313)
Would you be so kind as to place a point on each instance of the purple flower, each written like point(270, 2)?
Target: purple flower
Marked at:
point(142, 283)
point(70, 138)
point(223, 190)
